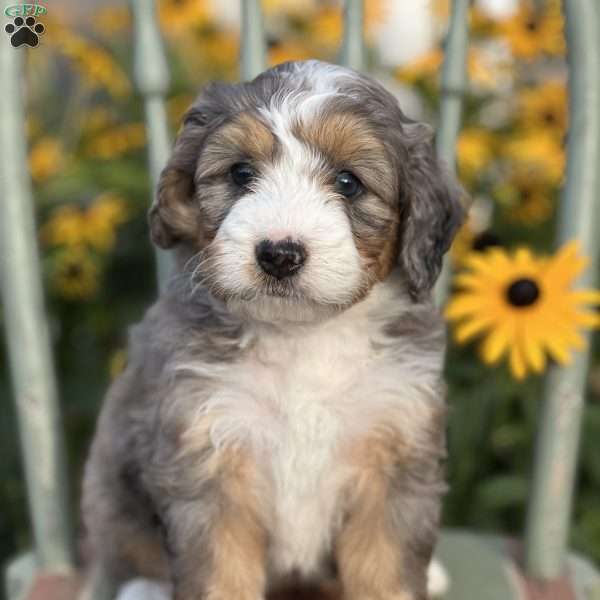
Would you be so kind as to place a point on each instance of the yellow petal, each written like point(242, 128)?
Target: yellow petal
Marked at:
point(586, 319)
point(496, 342)
point(476, 261)
point(470, 281)
point(558, 349)
point(518, 366)
point(568, 251)
point(470, 329)
point(576, 340)
point(499, 256)
point(565, 265)
point(585, 296)
point(523, 257)
point(462, 305)
point(532, 349)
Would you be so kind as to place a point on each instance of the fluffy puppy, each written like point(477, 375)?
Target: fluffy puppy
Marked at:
point(281, 418)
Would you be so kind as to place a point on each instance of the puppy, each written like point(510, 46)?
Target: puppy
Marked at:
point(281, 418)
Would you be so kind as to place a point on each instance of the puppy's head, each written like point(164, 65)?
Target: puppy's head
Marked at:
point(300, 190)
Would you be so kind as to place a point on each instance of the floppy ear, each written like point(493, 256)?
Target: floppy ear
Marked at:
point(431, 212)
point(174, 216)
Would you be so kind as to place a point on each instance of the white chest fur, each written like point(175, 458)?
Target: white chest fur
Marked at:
point(305, 382)
point(289, 399)
point(305, 486)
point(293, 398)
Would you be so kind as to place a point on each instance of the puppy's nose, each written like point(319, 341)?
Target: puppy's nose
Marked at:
point(280, 259)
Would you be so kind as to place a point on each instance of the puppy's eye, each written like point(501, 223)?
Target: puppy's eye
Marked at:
point(242, 174)
point(347, 184)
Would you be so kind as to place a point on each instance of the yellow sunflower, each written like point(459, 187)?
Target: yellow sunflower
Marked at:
point(524, 306)
point(65, 227)
point(102, 218)
point(280, 53)
point(526, 197)
point(75, 275)
point(95, 227)
point(544, 107)
point(46, 158)
point(530, 32)
point(94, 63)
point(327, 27)
point(423, 67)
point(180, 16)
point(537, 151)
point(475, 151)
point(219, 49)
point(116, 141)
point(289, 7)
point(96, 119)
point(462, 245)
point(489, 69)
point(534, 207)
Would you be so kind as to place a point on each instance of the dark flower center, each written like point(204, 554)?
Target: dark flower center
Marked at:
point(73, 271)
point(523, 292)
point(485, 240)
point(531, 25)
point(526, 194)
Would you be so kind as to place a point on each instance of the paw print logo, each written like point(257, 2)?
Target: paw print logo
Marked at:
point(25, 32)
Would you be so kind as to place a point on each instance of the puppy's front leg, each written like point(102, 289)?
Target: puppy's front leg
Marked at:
point(385, 544)
point(217, 545)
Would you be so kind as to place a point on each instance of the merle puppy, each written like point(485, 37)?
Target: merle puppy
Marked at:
point(281, 418)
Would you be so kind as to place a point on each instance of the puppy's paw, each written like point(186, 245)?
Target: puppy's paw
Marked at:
point(144, 589)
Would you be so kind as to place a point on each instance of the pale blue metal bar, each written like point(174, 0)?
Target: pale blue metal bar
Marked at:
point(552, 492)
point(353, 46)
point(253, 50)
point(453, 88)
point(454, 82)
point(26, 325)
point(151, 74)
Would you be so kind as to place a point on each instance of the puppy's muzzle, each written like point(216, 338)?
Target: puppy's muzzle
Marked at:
point(280, 259)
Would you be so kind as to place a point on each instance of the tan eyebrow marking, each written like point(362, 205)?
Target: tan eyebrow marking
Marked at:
point(347, 141)
point(243, 138)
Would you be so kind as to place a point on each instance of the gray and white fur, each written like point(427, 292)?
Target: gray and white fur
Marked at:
point(280, 422)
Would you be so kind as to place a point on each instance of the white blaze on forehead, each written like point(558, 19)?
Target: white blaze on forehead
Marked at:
point(314, 82)
point(322, 76)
